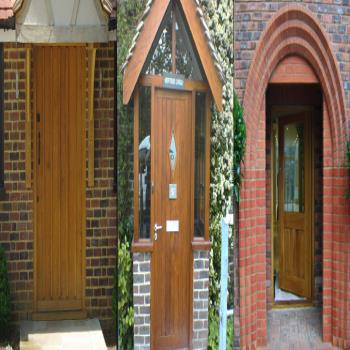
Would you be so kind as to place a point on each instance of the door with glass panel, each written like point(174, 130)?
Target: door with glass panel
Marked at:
point(295, 184)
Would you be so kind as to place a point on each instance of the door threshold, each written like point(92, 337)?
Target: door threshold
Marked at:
point(292, 304)
point(59, 315)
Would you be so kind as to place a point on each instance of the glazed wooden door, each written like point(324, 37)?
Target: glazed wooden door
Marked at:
point(171, 258)
point(295, 191)
point(60, 177)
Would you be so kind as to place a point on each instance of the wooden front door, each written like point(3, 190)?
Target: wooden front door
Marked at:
point(171, 259)
point(295, 205)
point(59, 178)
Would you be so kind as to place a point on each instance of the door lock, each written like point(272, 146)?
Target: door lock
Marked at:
point(156, 229)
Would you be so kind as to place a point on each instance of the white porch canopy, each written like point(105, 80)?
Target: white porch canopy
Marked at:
point(63, 21)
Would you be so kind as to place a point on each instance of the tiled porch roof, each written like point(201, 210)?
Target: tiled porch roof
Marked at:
point(7, 18)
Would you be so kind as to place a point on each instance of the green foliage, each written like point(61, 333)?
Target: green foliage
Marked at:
point(5, 303)
point(219, 18)
point(348, 161)
point(128, 15)
point(239, 145)
point(229, 339)
point(125, 307)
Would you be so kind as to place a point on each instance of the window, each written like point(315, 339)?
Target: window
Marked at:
point(173, 51)
point(200, 153)
point(144, 175)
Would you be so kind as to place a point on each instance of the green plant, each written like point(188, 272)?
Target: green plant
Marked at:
point(219, 18)
point(128, 16)
point(5, 302)
point(239, 146)
point(125, 307)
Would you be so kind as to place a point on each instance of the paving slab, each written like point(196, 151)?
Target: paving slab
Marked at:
point(62, 335)
point(296, 329)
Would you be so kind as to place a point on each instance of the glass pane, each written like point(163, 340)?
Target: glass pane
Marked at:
point(186, 62)
point(161, 61)
point(199, 189)
point(294, 168)
point(145, 162)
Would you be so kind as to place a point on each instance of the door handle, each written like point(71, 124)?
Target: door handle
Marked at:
point(156, 229)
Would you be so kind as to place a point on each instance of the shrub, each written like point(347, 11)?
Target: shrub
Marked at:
point(5, 303)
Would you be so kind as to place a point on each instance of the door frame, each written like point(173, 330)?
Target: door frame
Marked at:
point(53, 315)
point(278, 111)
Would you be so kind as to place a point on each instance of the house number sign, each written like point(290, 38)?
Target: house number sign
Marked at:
point(173, 81)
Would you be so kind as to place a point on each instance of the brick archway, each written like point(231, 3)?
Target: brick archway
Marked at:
point(294, 31)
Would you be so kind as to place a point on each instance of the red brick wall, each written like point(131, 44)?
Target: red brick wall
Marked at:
point(101, 200)
point(16, 210)
point(316, 32)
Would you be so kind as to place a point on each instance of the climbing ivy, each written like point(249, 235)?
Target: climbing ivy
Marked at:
point(128, 16)
point(239, 146)
point(219, 17)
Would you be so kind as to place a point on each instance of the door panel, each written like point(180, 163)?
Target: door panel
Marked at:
point(295, 204)
point(171, 259)
point(60, 177)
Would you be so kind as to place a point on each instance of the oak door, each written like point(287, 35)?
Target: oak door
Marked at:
point(59, 177)
point(295, 204)
point(171, 258)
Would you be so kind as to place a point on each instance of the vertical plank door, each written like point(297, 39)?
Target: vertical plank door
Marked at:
point(172, 255)
point(60, 79)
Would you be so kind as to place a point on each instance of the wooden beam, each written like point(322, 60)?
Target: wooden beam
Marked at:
point(28, 124)
point(91, 145)
point(143, 46)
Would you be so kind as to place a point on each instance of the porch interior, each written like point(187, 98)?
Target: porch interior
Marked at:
point(293, 327)
point(283, 100)
point(296, 328)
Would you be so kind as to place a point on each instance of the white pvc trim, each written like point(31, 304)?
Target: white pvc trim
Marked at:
point(7, 35)
point(49, 34)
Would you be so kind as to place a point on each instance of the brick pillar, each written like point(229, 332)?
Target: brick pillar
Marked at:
point(142, 297)
point(200, 299)
point(142, 293)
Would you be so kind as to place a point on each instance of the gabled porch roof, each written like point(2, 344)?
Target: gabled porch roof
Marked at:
point(146, 33)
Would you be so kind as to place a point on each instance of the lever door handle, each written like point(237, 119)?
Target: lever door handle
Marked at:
point(156, 229)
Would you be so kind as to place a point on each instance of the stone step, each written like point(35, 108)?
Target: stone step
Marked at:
point(62, 335)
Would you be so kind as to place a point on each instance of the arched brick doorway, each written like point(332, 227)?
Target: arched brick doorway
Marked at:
point(294, 31)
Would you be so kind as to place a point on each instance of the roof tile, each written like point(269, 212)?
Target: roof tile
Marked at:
point(6, 9)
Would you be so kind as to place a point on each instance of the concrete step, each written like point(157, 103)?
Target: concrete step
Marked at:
point(62, 335)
